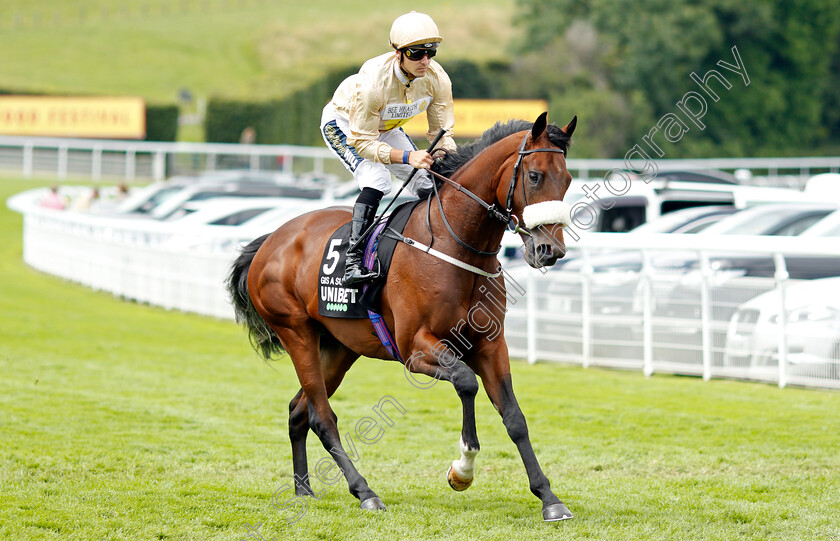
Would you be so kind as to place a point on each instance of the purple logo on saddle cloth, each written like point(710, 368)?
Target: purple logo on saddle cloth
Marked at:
point(373, 242)
point(379, 326)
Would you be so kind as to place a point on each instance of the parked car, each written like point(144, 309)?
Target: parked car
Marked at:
point(142, 200)
point(272, 219)
point(825, 186)
point(707, 176)
point(790, 220)
point(235, 211)
point(596, 209)
point(207, 224)
point(678, 298)
point(812, 312)
point(173, 206)
point(786, 219)
point(827, 227)
point(251, 217)
point(688, 220)
point(162, 200)
point(616, 288)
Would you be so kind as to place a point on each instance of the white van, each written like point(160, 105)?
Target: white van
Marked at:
point(641, 202)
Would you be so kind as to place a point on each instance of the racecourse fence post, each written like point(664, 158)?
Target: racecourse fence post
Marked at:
point(586, 308)
point(130, 165)
point(28, 151)
point(781, 277)
point(531, 318)
point(96, 163)
point(62, 162)
point(159, 165)
point(706, 315)
point(647, 314)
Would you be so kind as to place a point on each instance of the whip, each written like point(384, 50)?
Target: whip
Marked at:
point(404, 184)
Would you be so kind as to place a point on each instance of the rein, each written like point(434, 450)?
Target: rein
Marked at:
point(494, 213)
point(505, 216)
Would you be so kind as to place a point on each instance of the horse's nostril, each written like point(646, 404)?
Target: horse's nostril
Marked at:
point(543, 250)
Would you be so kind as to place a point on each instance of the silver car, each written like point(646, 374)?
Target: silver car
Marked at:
point(812, 323)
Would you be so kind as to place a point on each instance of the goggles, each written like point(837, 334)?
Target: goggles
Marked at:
point(416, 54)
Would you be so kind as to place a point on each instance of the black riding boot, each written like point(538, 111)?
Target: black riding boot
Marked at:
point(354, 271)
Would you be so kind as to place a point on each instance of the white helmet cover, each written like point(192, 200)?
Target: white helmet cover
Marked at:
point(414, 29)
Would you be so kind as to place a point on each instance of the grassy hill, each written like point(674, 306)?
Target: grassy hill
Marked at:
point(236, 48)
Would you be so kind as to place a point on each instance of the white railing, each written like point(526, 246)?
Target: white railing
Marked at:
point(787, 172)
point(656, 320)
point(143, 161)
point(145, 261)
point(651, 320)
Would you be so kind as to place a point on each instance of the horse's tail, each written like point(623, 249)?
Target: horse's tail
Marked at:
point(261, 336)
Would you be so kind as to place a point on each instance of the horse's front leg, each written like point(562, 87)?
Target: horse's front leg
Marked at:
point(495, 375)
point(432, 358)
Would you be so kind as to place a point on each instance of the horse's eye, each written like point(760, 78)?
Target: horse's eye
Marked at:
point(535, 177)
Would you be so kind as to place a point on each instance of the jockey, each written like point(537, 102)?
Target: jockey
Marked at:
point(361, 124)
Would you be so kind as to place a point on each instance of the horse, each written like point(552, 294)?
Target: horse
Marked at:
point(514, 174)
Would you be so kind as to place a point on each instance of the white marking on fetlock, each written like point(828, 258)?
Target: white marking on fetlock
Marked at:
point(464, 467)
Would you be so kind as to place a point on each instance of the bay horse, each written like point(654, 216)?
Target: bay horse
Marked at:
point(514, 174)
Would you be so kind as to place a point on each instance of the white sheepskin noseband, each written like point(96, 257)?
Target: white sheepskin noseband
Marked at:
point(547, 212)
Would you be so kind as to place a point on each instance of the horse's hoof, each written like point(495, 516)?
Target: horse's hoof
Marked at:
point(373, 504)
point(456, 482)
point(555, 512)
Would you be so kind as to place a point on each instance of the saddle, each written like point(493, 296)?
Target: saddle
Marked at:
point(355, 302)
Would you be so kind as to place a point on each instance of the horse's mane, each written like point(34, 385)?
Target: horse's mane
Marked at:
point(452, 161)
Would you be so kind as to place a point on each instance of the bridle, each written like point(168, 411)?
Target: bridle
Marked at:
point(505, 215)
point(509, 200)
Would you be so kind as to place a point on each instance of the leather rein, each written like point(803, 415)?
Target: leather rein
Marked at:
point(505, 215)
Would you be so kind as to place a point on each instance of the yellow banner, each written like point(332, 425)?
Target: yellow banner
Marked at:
point(474, 117)
point(111, 118)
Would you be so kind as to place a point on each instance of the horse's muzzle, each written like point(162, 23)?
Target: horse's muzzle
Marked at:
point(543, 255)
point(546, 255)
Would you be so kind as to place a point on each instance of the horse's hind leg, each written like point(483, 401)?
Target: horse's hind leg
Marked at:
point(298, 429)
point(336, 360)
point(302, 344)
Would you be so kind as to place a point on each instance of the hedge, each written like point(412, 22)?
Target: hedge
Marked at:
point(161, 122)
point(294, 119)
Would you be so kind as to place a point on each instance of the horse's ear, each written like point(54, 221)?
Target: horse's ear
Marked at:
point(569, 128)
point(539, 126)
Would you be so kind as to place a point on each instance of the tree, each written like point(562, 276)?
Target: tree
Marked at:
point(789, 49)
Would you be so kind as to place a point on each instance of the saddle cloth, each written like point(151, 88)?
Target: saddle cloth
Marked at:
point(335, 300)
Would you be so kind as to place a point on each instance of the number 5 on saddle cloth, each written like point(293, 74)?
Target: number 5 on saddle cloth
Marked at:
point(335, 300)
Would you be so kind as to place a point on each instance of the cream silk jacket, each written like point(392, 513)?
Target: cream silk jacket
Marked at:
point(381, 98)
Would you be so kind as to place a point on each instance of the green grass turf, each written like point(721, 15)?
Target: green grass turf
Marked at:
point(240, 48)
point(123, 421)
